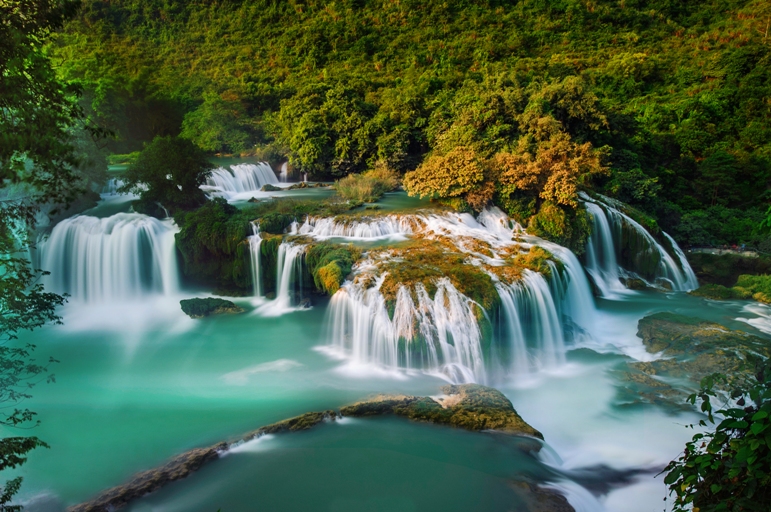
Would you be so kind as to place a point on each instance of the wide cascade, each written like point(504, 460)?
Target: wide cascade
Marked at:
point(439, 334)
point(620, 247)
point(433, 326)
point(382, 227)
point(122, 257)
point(241, 178)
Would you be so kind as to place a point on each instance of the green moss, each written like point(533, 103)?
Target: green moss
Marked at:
point(330, 264)
point(425, 261)
point(468, 406)
point(199, 308)
point(275, 223)
point(212, 242)
point(561, 225)
point(720, 292)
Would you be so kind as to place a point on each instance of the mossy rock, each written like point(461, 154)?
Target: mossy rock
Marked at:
point(725, 269)
point(271, 188)
point(468, 406)
point(720, 292)
point(691, 349)
point(275, 223)
point(200, 308)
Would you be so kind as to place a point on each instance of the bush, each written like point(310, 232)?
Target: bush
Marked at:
point(329, 264)
point(369, 186)
point(728, 469)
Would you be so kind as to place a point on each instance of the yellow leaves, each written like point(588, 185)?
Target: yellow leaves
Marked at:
point(451, 175)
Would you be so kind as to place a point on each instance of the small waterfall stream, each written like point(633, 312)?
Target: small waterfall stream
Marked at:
point(289, 285)
point(241, 178)
point(255, 241)
point(605, 248)
point(122, 257)
point(392, 226)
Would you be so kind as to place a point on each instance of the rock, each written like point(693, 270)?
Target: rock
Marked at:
point(691, 349)
point(305, 304)
point(199, 308)
point(148, 481)
point(305, 184)
point(541, 499)
point(634, 283)
point(468, 406)
point(271, 188)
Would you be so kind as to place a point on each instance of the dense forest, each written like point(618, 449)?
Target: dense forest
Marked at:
point(663, 104)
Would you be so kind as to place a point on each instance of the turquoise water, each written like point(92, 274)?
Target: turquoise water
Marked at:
point(139, 383)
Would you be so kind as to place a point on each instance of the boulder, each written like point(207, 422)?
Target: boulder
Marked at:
point(199, 308)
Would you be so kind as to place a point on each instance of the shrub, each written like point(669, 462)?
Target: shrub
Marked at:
point(329, 264)
point(368, 186)
point(728, 469)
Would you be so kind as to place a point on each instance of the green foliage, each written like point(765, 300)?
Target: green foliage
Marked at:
point(678, 91)
point(369, 186)
point(212, 241)
point(329, 264)
point(168, 172)
point(759, 287)
point(218, 125)
point(729, 468)
point(561, 225)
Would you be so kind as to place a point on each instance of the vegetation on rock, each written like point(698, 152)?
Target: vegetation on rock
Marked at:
point(368, 186)
point(200, 308)
point(693, 349)
point(330, 264)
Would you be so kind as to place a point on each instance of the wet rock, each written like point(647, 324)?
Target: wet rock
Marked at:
point(200, 308)
point(467, 406)
point(148, 481)
point(271, 188)
point(690, 350)
point(634, 283)
point(541, 499)
point(305, 303)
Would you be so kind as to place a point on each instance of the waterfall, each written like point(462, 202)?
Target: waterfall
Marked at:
point(650, 260)
point(289, 271)
point(284, 175)
point(255, 240)
point(111, 187)
point(391, 226)
point(122, 257)
point(530, 313)
point(242, 178)
point(438, 335)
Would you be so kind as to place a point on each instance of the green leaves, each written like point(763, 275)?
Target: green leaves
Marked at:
point(729, 468)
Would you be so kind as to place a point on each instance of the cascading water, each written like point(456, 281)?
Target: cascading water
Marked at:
point(111, 187)
point(242, 178)
point(392, 226)
point(438, 335)
point(122, 257)
point(289, 271)
point(650, 260)
point(284, 175)
point(255, 241)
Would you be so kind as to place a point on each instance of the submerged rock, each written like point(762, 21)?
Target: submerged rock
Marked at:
point(690, 350)
point(199, 308)
point(468, 406)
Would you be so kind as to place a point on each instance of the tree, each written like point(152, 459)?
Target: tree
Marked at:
point(38, 157)
point(454, 175)
point(728, 469)
point(168, 174)
point(218, 125)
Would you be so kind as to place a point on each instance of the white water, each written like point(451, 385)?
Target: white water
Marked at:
point(114, 259)
point(255, 240)
point(390, 227)
point(240, 179)
point(288, 279)
point(438, 335)
point(530, 313)
point(604, 246)
point(284, 175)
